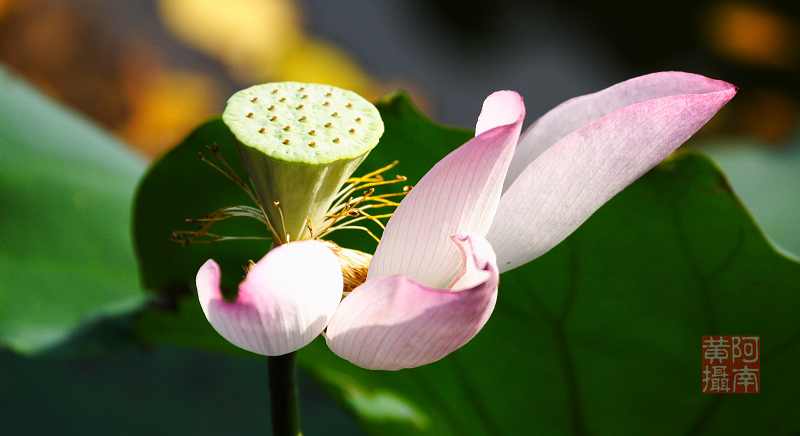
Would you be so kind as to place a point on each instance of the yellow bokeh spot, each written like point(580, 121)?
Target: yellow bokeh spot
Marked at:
point(317, 61)
point(6, 7)
point(753, 34)
point(238, 32)
point(170, 104)
point(263, 41)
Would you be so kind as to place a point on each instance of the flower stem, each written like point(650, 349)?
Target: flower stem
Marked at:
point(283, 397)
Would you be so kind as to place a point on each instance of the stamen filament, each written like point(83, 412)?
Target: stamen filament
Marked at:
point(217, 238)
point(231, 175)
point(277, 204)
point(229, 212)
point(210, 219)
point(378, 171)
point(363, 216)
point(355, 228)
point(343, 194)
point(353, 181)
point(203, 158)
point(310, 227)
point(342, 214)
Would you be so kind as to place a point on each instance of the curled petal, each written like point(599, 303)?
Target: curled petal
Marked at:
point(458, 196)
point(286, 300)
point(580, 111)
point(392, 322)
point(502, 108)
point(559, 190)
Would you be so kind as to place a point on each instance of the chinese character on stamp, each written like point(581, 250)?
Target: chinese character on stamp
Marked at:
point(731, 365)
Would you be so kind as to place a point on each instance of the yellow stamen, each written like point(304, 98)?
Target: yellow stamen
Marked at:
point(354, 263)
point(342, 214)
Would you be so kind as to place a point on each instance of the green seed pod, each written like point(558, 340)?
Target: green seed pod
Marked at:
point(300, 142)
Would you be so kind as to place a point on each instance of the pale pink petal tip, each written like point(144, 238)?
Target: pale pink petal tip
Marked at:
point(286, 300)
point(502, 108)
point(392, 322)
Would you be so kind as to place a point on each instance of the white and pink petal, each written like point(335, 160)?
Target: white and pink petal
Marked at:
point(393, 322)
point(459, 195)
point(285, 301)
point(561, 188)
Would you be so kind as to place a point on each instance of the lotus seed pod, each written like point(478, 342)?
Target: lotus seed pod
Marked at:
point(300, 142)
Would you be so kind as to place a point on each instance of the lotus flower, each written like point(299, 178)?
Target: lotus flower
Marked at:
point(497, 202)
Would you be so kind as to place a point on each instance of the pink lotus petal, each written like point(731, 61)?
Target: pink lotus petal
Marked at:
point(458, 196)
point(573, 178)
point(580, 111)
point(502, 108)
point(393, 322)
point(283, 304)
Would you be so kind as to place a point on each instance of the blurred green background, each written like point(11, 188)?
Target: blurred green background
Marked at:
point(151, 70)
